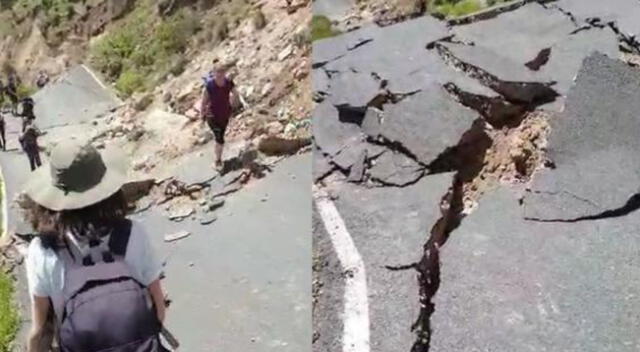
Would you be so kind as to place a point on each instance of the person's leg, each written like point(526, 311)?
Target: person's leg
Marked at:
point(4, 141)
point(219, 132)
point(36, 155)
point(219, 149)
point(32, 161)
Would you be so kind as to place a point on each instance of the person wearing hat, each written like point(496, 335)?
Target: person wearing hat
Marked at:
point(76, 204)
point(216, 109)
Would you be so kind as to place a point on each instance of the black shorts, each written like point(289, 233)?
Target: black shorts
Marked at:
point(218, 130)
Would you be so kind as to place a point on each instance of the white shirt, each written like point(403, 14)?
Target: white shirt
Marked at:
point(45, 271)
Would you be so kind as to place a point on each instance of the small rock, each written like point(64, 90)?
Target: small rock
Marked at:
point(291, 127)
point(266, 89)
point(274, 128)
point(216, 203)
point(285, 53)
point(181, 213)
point(176, 236)
point(208, 219)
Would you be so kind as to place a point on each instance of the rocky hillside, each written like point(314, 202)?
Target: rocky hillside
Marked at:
point(154, 53)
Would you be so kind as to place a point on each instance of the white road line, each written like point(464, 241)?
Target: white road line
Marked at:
point(355, 337)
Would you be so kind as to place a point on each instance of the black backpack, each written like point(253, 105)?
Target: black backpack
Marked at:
point(27, 107)
point(105, 308)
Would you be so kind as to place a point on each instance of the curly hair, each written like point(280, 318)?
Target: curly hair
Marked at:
point(90, 222)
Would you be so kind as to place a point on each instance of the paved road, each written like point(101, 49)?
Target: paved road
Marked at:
point(239, 284)
point(242, 283)
point(332, 9)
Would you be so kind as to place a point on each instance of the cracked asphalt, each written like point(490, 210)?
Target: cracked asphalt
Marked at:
point(542, 266)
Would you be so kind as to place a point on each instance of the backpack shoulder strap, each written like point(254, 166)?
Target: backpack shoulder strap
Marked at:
point(119, 238)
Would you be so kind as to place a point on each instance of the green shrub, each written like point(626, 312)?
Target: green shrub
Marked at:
point(130, 82)
point(141, 48)
point(321, 28)
point(25, 90)
point(9, 319)
point(458, 8)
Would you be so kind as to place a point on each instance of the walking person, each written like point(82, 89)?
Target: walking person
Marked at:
point(90, 267)
point(29, 142)
point(3, 140)
point(216, 108)
point(26, 112)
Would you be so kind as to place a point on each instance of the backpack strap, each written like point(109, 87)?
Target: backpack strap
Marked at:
point(119, 239)
point(101, 251)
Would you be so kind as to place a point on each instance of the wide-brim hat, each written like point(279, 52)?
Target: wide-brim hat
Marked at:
point(77, 176)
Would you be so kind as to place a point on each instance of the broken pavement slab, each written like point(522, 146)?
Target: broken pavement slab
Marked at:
point(395, 169)
point(392, 51)
point(624, 13)
point(507, 284)
point(425, 124)
point(593, 145)
point(526, 37)
point(77, 97)
point(389, 227)
point(329, 133)
point(506, 56)
point(353, 89)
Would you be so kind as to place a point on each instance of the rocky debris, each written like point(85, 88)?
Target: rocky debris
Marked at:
point(176, 236)
point(208, 219)
point(143, 101)
point(272, 145)
point(135, 190)
point(229, 183)
point(181, 212)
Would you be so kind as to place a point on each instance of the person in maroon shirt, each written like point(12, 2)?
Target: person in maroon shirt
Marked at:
point(216, 107)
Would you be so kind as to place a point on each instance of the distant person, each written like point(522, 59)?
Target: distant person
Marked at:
point(2, 89)
point(29, 142)
point(26, 112)
point(3, 140)
point(42, 79)
point(216, 109)
point(90, 266)
point(12, 92)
